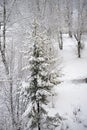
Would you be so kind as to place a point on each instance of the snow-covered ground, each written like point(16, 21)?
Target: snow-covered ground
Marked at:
point(71, 95)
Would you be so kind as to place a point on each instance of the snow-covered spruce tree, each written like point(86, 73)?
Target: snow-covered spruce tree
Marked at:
point(39, 85)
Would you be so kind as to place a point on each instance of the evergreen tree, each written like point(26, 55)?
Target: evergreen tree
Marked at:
point(40, 85)
point(41, 81)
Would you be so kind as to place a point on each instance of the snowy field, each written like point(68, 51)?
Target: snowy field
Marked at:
point(71, 95)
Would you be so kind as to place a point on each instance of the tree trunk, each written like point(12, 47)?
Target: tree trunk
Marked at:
point(79, 49)
point(70, 34)
point(78, 38)
point(38, 109)
point(60, 41)
point(11, 104)
point(4, 25)
point(18, 109)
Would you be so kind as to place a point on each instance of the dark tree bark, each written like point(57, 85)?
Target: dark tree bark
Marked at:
point(78, 45)
point(79, 49)
point(38, 108)
point(60, 41)
point(4, 25)
point(70, 34)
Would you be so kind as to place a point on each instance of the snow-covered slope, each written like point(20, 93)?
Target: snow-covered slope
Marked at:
point(71, 95)
point(74, 67)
